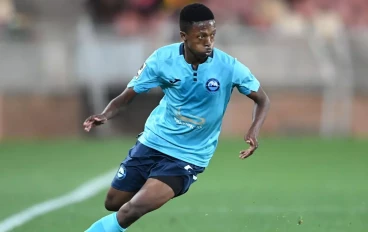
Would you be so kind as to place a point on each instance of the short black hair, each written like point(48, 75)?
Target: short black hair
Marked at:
point(193, 13)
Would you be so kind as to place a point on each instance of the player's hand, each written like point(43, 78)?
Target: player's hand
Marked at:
point(253, 143)
point(94, 120)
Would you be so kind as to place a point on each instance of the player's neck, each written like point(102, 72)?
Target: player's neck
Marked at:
point(192, 59)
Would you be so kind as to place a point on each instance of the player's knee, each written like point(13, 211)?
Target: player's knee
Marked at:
point(110, 205)
point(132, 210)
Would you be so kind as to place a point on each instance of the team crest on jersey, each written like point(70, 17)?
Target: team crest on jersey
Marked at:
point(121, 174)
point(140, 70)
point(213, 85)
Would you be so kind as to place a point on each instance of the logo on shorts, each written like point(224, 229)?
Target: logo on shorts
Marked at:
point(213, 85)
point(121, 174)
point(190, 169)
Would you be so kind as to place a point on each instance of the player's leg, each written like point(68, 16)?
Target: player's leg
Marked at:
point(152, 196)
point(169, 178)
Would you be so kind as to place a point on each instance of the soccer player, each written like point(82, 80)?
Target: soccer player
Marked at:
point(181, 133)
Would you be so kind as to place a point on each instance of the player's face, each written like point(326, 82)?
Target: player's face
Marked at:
point(200, 39)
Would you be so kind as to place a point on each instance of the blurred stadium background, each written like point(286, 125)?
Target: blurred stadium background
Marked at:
point(61, 61)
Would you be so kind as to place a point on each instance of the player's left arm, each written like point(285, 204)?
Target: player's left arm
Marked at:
point(260, 110)
point(248, 85)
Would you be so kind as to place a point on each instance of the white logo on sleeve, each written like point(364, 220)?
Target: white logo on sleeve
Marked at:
point(140, 70)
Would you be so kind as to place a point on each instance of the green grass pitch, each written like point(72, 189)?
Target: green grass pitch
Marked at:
point(306, 185)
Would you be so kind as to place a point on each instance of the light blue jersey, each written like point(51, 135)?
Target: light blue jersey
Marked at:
point(187, 122)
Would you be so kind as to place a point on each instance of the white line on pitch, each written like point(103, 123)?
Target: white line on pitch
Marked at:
point(83, 192)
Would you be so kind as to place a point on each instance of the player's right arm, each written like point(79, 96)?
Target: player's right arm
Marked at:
point(146, 79)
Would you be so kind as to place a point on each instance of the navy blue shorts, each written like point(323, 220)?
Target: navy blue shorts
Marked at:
point(144, 162)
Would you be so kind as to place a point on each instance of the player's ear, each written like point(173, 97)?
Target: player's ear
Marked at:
point(183, 36)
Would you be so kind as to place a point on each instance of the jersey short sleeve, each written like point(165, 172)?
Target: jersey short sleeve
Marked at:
point(147, 76)
point(243, 79)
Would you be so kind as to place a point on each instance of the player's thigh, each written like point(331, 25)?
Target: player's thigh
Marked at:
point(116, 198)
point(177, 174)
